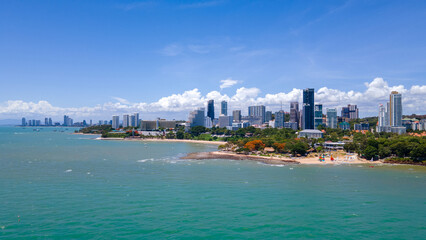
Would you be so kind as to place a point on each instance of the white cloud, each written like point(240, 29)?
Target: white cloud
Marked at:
point(121, 100)
point(228, 83)
point(172, 50)
point(377, 91)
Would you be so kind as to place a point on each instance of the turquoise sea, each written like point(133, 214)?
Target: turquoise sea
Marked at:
point(56, 185)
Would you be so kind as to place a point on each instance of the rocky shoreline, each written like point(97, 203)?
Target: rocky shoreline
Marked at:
point(234, 156)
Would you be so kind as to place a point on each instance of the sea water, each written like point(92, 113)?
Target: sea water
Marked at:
point(57, 185)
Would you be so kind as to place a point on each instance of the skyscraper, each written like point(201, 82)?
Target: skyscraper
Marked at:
point(279, 119)
point(350, 112)
point(133, 120)
point(24, 122)
point(294, 112)
point(395, 113)
point(382, 116)
point(308, 108)
point(268, 116)
point(331, 117)
point(257, 111)
point(224, 108)
point(46, 122)
point(115, 122)
point(126, 121)
point(318, 115)
point(136, 119)
point(196, 117)
point(210, 109)
point(236, 115)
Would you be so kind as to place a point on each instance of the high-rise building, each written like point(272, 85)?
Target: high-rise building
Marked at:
point(279, 119)
point(46, 121)
point(294, 112)
point(257, 111)
point(395, 113)
point(126, 121)
point(350, 112)
point(115, 122)
point(382, 116)
point(331, 117)
point(210, 109)
point(196, 118)
point(225, 121)
point(224, 108)
point(24, 122)
point(268, 116)
point(138, 120)
point(50, 122)
point(236, 115)
point(308, 108)
point(68, 121)
point(133, 122)
point(318, 115)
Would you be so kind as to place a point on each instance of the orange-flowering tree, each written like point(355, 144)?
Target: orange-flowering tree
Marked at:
point(255, 145)
point(279, 147)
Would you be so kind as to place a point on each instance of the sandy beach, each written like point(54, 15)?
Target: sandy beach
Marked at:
point(270, 160)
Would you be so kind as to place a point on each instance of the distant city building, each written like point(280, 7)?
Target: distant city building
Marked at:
point(225, 121)
point(344, 126)
point(133, 121)
point(350, 112)
point(115, 122)
point(210, 109)
point(362, 127)
point(68, 121)
point(137, 119)
point(291, 125)
point(318, 115)
point(224, 108)
point(279, 119)
point(236, 115)
point(308, 108)
point(126, 121)
point(257, 111)
point(24, 122)
point(294, 112)
point(208, 122)
point(331, 118)
point(268, 116)
point(253, 120)
point(157, 124)
point(390, 115)
point(196, 117)
point(310, 133)
point(395, 113)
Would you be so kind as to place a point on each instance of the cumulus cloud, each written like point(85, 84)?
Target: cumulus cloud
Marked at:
point(229, 82)
point(376, 92)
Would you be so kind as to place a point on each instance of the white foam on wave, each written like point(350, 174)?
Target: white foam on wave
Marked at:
point(145, 160)
point(68, 170)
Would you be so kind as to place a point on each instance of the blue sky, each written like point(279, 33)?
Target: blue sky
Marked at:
point(80, 54)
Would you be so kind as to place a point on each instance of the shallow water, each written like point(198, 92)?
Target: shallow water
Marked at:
point(66, 186)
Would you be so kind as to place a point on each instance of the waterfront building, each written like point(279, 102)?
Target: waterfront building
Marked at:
point(115, 122)
point(46, 121)
point(294, 112)
point(331, 118)
point(133, 122)
point(137, 120)
point(236, 115)
point(157, 124)
point(279, 119)
point(196, 117)
point(308, 108)
point(318, 115)
point(24, 122)
point(310, 133)
point(224, 108)
point(225, 121)
point(210, 109)
point(395, 113)
point(126, 120)
point(257, 111)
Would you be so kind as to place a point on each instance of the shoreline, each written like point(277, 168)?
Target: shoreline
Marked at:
point(271, 160)
point(163, 140)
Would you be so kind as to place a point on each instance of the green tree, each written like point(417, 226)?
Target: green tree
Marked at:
point(370, 152)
